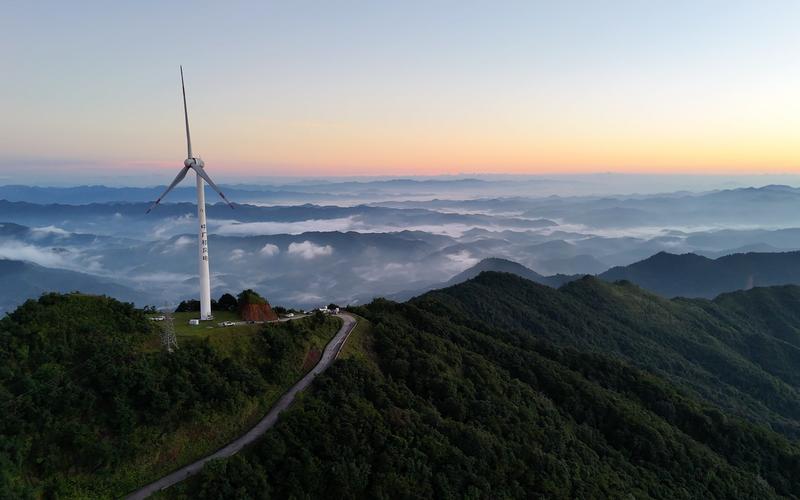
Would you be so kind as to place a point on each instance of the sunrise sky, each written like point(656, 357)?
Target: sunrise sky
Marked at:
point(401, 88)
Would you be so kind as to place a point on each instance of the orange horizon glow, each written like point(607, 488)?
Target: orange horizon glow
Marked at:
point(409, 89)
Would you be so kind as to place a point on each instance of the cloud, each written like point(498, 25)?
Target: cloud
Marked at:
point(41, 232)
point(342, 224)
point(461, 260)
point(183, 241)
point(162, 277)
point(394, 271)
point(44, 257)
point(94, 264)
point(171, 224)
point(237, 254)
point(177, 246)
point(309, 250)
point(305, 298)
point(269, 250)
point(59, 258)
point(258, 228)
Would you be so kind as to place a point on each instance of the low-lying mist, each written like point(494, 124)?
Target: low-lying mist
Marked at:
point(314, 253)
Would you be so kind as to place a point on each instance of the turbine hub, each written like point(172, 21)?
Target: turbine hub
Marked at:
point(193, 162)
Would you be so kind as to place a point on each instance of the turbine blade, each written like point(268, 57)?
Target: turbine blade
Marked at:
point(205, 176)
point(186, 118)
point(178, 178)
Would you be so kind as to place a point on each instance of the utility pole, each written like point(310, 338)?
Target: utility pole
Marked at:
point(168, 339)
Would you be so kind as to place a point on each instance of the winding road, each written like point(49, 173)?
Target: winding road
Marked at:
point(330, 353)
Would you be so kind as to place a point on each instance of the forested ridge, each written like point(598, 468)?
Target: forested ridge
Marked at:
point(493, 388)
point(502, 388)
point(91, 409)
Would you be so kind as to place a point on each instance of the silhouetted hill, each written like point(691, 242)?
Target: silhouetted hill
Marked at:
point(670, 275)
point(498, 265)
point(691, 275)
point(491, 264)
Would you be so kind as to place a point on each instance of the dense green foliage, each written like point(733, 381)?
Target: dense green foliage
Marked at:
point(191, 305)
point(226, 302)
point(503, 388)
point(82, 395)
point(280, 310)
point(739, 360)
point(250, 297)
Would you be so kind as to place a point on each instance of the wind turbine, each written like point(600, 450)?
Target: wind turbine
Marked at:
point(196, 164)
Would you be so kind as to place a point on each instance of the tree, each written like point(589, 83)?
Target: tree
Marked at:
point(227, 302)
point(190, 305)
point(249, 296)
point(193, 305)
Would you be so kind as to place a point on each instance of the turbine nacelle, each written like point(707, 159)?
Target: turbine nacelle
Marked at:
point(194, 162)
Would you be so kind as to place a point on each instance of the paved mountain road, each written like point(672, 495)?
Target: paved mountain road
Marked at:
point(328, 355)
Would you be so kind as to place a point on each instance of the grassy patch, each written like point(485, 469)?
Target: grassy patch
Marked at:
point(359, 344)
point(183, 328)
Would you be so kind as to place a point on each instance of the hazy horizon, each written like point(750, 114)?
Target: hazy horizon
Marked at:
point(599, 183)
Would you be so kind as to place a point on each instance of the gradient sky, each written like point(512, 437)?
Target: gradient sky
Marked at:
point(401, 88)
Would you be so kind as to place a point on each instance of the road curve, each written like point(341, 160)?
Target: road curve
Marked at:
point(328, 355)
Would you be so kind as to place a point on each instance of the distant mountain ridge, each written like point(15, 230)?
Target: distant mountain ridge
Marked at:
point(506, 266)
point(670, 275)
point(491, 264)
point(23, 279)
point(691, 275)
point(243, 192)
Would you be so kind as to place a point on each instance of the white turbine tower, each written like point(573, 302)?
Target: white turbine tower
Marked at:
point(196, 164)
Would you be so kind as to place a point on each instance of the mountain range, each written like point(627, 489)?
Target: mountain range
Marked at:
point(669, 275)
point(497, 386)
point(349, 251)
point(691, 275)
point(22, 280)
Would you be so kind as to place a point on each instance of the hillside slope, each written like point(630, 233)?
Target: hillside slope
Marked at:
point(503, 388)
point(91, 407)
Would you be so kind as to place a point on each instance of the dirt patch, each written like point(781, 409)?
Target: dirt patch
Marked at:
point(257, 312)
point(312, 358)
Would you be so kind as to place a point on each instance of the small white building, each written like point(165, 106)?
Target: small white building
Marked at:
point(157, 318)
point(194, 321)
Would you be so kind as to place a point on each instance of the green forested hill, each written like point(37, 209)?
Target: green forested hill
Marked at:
point(502, 388)
point(729, 352)
point(91, 408)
